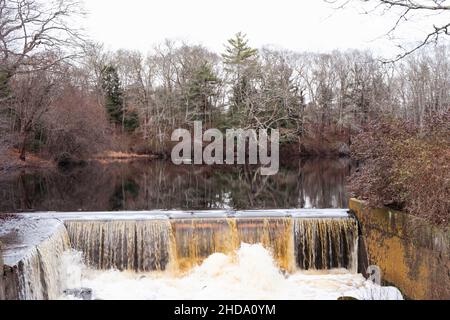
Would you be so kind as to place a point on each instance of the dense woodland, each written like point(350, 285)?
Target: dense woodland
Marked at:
point(64, 96)
point(132, 101)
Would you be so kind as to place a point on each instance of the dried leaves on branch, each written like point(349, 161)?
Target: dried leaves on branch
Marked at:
point(405, 166)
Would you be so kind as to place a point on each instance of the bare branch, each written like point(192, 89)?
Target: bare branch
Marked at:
point(30, 27)
point(405, 10)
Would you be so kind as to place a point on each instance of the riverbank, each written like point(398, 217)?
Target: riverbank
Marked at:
point(10, 162)
point(289, 152)
point(118, 156)
point(405, 166)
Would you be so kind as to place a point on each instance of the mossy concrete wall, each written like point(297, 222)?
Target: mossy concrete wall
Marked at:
point(412, 254)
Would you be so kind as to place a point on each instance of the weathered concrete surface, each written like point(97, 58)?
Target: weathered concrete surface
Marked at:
point(2, 282)
point(20, 234)
point(412, 254)
point(18, 237)
point(11, 283)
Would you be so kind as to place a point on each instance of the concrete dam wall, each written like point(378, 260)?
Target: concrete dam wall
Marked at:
point(312, 240)
point(412, 254)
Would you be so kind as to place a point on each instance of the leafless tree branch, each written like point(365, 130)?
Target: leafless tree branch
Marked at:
point(405, 9)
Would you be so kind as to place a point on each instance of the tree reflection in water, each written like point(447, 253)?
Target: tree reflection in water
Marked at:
point(138, 185)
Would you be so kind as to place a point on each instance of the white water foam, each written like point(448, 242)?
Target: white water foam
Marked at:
point(251, 274)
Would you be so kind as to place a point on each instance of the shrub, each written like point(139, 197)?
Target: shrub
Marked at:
point(405, 166)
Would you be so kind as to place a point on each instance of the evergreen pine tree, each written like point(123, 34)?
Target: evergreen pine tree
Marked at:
point(238, 52)
point(201, 90)
point(241, 61)
point(113, 94)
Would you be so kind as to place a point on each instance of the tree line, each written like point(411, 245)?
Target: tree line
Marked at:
point(306, 95)
point(62, 94)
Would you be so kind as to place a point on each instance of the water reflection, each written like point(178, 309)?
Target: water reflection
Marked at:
point(161, 185)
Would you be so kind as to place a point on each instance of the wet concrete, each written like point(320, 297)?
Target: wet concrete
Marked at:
point(11, 283)
point(2, 281)
point(19, 235)
point(412, 254)
point(187, 214)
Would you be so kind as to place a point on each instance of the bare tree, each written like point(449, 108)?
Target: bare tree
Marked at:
point(36, 36)
point(29, 28)
point(33, 97)
point(406, 11)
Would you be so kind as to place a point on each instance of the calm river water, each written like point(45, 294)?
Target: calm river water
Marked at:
point(147, 185)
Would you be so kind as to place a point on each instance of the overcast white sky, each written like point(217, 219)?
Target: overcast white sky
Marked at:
point(304, 25)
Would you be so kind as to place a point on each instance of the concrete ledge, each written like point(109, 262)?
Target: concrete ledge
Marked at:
point(412, 254)
point(172, 215)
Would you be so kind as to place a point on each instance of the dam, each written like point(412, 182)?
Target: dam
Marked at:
point(173, 244)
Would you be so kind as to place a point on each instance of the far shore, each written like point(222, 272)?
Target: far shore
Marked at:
point(10, 162)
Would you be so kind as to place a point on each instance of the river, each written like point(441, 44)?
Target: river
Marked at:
point(148, 185)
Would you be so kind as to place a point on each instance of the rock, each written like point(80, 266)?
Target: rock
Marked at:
point(347, 298)
point(80, 293)
point(66, 161)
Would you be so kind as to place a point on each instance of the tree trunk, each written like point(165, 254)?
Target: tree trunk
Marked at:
point(22, 156)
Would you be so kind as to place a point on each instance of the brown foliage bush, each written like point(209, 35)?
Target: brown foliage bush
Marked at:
point(77, 125)
point(405, 167)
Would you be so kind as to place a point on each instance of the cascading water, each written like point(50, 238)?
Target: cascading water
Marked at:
point(181, 244)
point(326, 244)
point(275, 234)
point(249, 273)
point(123, 245)
point(194, 240)
point(202, 257)
point(39, 273)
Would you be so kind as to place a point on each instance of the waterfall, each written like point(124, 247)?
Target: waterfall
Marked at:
point(196, 239)
point(139, 246)
point(326, 243)
point(159, 244)
point(39, 274)
point(275, 234)
point(193, 240)
point(179, 245)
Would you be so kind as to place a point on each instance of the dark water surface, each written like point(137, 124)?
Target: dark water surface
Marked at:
point(145, 185)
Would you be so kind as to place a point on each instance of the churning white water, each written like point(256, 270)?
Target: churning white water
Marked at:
point(250, 274)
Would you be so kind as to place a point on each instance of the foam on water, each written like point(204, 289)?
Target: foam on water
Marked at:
point(250, 273)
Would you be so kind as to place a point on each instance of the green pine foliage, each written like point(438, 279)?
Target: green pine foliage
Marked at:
point(114, 100)
point(238, 52)
point(202, 89)
point(131, 121)
point(113, 94)
point(241, 61)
